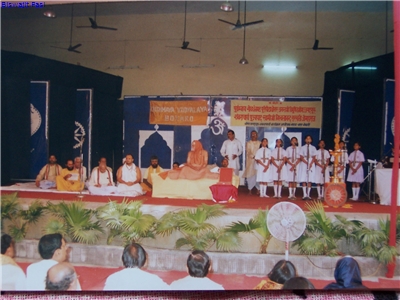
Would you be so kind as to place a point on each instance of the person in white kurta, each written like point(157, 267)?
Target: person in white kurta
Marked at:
point(53, 249)
point(12, 277)
point(292, 162)
point(263, 161)
point(134, 258)
point(101, 181)
point(343, 160)
point(278, 167)
point(356, 171)
point(321, 168)
point(307, 167)
point(198, 265)
point(129, 178)
point(231, 149)
point(46, 179)
point(250, 172)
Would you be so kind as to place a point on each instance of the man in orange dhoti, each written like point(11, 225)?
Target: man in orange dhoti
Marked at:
point(73, 177)
point(196, 165)
point(147, 183)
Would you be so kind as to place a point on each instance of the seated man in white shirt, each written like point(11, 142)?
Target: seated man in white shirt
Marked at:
point(101, 181)
point(198, 266)
point(12, 277)
point(62, 277)
point(53, 249)
point(133, 277)
point(46, 179)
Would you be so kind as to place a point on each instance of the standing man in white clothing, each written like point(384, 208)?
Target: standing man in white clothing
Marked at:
point(231, 149)
point(198, 265)
point(129, 178)
point(53, 249)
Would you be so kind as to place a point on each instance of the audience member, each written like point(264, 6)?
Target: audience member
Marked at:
point(280, 273)
point(231, 149)
point(347, 275)
point(133, 277)
point(53, 250)
point(154, 168)
point(101, 181)
point(129, 178)
point(46, 179)
point(198, 265)
point(298, 283)
point(72, 177)
point(12, 277)
point(62, 277)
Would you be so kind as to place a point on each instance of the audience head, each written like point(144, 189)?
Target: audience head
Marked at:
point(175, 165)
point(231, 134)
point(53, 246)
point(347, 273)
point(52, 159)
point(134, 256)
point(77, 162)
point(198, 264)
point(7, 245)
point(154, 161)
point(61, 277)
point(129, 159)
point(254, 135)
point(70, 164)
point(224, 163)
point(282, 271)
point(298, 283)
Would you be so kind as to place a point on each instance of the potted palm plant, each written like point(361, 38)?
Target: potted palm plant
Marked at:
point(197, 232)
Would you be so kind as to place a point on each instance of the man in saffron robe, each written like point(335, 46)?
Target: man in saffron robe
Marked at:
point(129, 178)
point(73, 177)
point(46, 179)
point(154, 168)
point(196, 165)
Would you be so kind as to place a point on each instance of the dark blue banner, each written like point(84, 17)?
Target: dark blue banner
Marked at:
point(388, 135)
point(39, 128)
point(83, 126)
point(345, 114)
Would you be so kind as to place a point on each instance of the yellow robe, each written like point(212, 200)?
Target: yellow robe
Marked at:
point(150, 170)
point(69, 185)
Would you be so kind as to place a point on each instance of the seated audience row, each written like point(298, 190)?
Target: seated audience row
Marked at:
point(54, 272)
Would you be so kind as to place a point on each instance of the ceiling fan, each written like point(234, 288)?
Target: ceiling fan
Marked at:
point(94, 23)
point(70, 48)
point(185, 43)
point(239, 24)
point(316, 42)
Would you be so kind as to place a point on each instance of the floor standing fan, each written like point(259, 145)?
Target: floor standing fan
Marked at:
point(286, 222)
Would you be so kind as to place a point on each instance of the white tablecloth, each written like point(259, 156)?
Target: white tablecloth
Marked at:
point(383, 186)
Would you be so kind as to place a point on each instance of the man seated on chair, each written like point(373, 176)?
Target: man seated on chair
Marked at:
point(46, 179)
point(101, 180)
point(129, 178)
point(73, 177)
point(62, 277)
point(198, 265)
point(154, 168)
point(13, 278)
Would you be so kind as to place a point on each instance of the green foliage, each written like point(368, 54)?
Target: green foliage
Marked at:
point(257, 226)
point(197, 233)
point(126, 220)
point(322, 234)
point(74, 221)
point(20, 218)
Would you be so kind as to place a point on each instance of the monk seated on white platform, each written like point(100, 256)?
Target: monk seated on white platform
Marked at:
point(196, 165)
point(46, 178)
point(101, 180)
point(154, 168)
point(73, 177)
point(129, 177)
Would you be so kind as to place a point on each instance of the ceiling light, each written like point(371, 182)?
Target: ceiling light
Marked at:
point(279, 67)
point(363, 68)
point(226, 6)
point(243, 61)
point(50, 13)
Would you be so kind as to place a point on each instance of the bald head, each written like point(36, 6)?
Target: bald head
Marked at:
point(61, 277)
